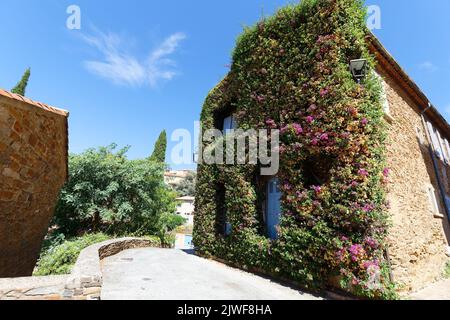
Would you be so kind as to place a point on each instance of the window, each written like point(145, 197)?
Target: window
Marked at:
point(227, 229)
point(229, 123)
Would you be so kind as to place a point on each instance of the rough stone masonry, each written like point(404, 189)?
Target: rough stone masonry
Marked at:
point(33, 168)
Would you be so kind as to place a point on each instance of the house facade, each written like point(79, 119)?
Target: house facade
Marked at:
point(33, 168)
point(361, 198)
point(418, 156)
point(185, 209)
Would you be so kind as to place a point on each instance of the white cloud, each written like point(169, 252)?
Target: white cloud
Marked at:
point(121, 67)
point(427, 66)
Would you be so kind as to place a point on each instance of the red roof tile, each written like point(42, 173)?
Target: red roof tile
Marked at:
point(40, 105)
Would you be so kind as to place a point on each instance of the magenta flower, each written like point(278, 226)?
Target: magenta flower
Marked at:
point(260, 98)
point(364, 122)
point(314, 142)
point(298, 128)
point(324, 137)
point(363, 173)
point(312, 108)
point(309, 119)
point(386, 172)
point(270, 123)
point(317, 189)
point(324, 92)
point(369, 207)
point(372, 243)
point(356, 251)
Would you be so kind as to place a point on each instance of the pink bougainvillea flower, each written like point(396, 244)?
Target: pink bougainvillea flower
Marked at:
point(298, 128)
point(284, 129)
point(324, 137)
point(312, 108)
point(363, 173)
point(317, 189)
point(364, 122)
point(324, 92)
point(386, 172)
point(310, 119)
point(271, 123)
point(260, 98)
point(369, 207)
point(372, 243)
point(314, 142)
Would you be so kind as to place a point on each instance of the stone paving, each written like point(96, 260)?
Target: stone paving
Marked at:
point(155, 274)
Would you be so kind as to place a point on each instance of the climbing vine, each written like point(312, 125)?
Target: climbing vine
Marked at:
point(291, 72)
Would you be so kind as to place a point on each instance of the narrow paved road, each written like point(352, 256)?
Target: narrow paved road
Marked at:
point(155, 274)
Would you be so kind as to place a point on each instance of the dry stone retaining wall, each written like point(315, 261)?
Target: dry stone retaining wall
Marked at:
point(84, 283)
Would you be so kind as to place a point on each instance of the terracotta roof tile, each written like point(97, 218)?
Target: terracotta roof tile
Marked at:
point(40, 105)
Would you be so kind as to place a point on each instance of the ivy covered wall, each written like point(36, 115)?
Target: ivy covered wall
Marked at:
point(291, 72)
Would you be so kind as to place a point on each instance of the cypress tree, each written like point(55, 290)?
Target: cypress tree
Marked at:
point(159, 153)
point(21, 87)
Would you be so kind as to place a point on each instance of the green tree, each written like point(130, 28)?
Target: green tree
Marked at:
point(159, 152)
point(21, 86)
point(187, 186)
point(108, 193)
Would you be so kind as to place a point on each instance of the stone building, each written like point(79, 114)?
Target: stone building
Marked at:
point(33, 168)
point(419, 193)
point(239, 212)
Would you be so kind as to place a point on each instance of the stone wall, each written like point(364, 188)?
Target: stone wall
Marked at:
point(85, 281)
point(33, 168)
point(419, 236)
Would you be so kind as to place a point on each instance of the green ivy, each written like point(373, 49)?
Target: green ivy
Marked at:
point(290, 72)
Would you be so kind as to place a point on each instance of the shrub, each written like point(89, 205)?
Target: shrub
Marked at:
point(186, 187)
point(59, 259)
point(447, 271)
point(108, 193)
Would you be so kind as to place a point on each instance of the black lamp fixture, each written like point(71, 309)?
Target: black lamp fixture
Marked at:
point(358, 67)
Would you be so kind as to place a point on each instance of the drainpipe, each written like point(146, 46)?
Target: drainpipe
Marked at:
point(435, 162)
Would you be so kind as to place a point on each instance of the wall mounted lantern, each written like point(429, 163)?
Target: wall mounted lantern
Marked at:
point(358, 68)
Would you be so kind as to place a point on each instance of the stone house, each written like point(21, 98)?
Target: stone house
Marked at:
point(185, 209)
point(33, 168)
point(419, 193)
point(417, 154)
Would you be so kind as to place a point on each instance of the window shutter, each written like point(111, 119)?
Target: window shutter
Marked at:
point(227, 123)
point(433, 200)
point(435, 140)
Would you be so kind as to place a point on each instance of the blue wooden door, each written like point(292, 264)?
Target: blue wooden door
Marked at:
point(273, 208)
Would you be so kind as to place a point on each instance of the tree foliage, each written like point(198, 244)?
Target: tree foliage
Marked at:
point(187, 185)
point(107, 192)
point(159, 152)
point(21, 86)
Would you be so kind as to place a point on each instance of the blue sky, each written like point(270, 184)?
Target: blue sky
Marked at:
point(137, 67)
